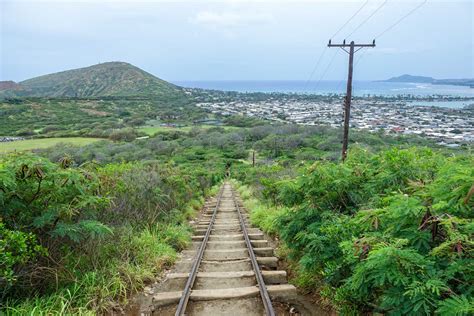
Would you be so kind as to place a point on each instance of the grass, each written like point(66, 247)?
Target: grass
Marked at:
point(29, 144)
point(115, 276)
point(122, 267)
point(262, 215)
point(152, 130)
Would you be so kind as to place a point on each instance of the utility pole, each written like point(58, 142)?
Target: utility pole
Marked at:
point(347, 102)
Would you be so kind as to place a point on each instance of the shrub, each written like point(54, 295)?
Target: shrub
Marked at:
point(25, 132)
point(47, 202)
point(388, 233)
point(124, 134)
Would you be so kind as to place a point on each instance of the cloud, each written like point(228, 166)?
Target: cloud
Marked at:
point(231, 20)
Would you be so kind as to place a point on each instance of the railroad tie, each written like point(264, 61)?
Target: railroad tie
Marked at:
point(230, 269)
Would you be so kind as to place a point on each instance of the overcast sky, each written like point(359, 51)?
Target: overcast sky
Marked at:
point(236, 40)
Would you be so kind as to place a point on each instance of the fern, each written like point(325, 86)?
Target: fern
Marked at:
point(81, 230)
point(70, 231)
point(390, 232)
point(94, 229)
point(456, 306)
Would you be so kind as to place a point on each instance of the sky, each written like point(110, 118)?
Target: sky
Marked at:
point(238, 40)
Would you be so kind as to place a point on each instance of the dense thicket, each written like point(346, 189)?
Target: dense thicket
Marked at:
point(77, 238)
point(95, 117)
point(389, 232)
point(286, 144)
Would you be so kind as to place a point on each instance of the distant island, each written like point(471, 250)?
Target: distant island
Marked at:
point(422, 79)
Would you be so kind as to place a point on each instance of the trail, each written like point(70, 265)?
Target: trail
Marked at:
point(226, 281)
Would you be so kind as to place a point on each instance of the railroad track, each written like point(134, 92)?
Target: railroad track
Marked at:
point(231, 269)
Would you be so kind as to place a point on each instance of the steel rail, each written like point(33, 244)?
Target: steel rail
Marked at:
point(183, 302)
point(267, 302)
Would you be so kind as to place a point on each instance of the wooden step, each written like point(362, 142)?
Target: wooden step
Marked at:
point(275, 291)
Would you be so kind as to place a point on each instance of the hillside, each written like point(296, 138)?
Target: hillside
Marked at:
point(106, 79)
point(422, 79)
point(10, 85)
point(410, 78)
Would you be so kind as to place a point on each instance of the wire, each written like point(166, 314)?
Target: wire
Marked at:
point(326, 70)
point(350, 19)
point(337, 32)
point(355, 65)
point(402, 18)
point(315, 67)
point(368, 18)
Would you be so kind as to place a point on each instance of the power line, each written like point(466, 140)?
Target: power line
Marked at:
point(322, 53)
point(368, 18)
point(325, 71)
point(339, 85)
point(315, 67)
point(350, 19)
point(361, 56)
point(401, 19)
point(347, 103)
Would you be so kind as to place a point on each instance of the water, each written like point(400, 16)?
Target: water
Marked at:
point(444, 104)
point(360, 88)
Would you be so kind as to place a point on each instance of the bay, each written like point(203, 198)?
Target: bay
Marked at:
point(360, 88)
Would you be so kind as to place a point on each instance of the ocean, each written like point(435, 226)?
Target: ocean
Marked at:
point(360, 88)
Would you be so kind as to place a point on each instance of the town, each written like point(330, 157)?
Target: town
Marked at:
point(451, 127)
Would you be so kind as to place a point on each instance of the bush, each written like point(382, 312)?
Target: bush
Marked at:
point(51, 128)
point(80, 239)
point(388, 233)
point(125, 134)
point(16, 249)
point(46, 202)
point(25, 132)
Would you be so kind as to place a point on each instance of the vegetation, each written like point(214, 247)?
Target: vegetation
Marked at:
point(94, 117)
point(78, 239)
point(152, 130)
point(83, 227)
point(279, 145)
point(107, 79)
point(389, 232)
point(30, 144)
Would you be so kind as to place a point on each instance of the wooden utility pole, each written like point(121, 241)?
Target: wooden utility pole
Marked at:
point(347, 102)
point(253, 158)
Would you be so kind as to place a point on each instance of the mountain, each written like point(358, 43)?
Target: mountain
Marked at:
point(106, 79)
point(10, 89)
point(10, 85)
point(410, 78)
point(421, 79)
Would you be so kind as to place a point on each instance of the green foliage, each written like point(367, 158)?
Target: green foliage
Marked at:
point(49, 199)
point(456, 306)
point(125, 134)
point(16, 248)
point(389, 232)
point(79, 239)
point(106, 79)
point(94, 117)
point(261, 215)
point(107, 217)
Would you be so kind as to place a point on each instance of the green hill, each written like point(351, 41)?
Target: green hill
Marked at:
point(106, 79)
point(410, 78)
point(421, 79)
